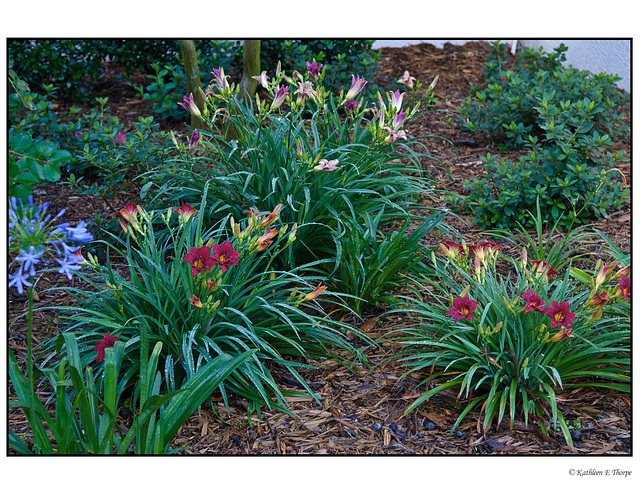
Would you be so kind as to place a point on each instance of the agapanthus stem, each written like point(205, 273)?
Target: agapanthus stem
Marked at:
point(32, 393)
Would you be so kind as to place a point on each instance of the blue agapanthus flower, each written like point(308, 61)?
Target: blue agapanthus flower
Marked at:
point(34, 234)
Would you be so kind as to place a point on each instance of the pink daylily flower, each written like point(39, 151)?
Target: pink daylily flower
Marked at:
point(263, 79)
point(326, 165)
point(407, 80)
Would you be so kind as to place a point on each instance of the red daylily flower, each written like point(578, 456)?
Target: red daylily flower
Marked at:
point(533, 300)
point(625, 288)
point(200, 260)
point(107, 341)
point(462, 308)
point(225, 256)
point(186, 211)
point(484, 249)
point(543, 268)
point(560, 314)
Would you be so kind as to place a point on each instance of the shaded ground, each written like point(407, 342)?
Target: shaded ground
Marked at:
point(362, 412)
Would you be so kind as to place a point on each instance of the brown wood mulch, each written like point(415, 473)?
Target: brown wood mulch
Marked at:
point(362, 411)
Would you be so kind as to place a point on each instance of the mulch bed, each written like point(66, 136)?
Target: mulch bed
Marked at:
point(362, 410)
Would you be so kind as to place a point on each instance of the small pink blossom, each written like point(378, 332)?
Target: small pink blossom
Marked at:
point(120, 139)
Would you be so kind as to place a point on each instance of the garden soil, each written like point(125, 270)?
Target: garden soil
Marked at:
point(362, 410)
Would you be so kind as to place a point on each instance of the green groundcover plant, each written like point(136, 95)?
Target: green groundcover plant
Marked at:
point(564, 121)
point(204, 293)
point(510, 343)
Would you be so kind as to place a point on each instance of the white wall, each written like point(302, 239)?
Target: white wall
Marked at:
point(610, 56)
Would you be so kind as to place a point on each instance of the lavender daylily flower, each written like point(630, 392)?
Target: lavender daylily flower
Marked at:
point(351, 105)
point(396, 100)
point(398, 120)
point(305, 90)
point(281, 94)
point(220, 78)
point(407, 80)
point(190, 105)
point(325, 165)
point(357, 85)
point(314, 69)
point(263, 79)
point(194, 139)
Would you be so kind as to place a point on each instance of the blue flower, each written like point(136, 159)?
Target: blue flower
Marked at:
point(29, 259)
point(79, 233)
point(19, 280)
point(66, 265)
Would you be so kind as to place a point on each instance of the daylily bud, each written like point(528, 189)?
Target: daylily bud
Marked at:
point(465, 291)
point(315, 293)
point(396, 100)
point(271, 217)
point(623, 271)
point(604, 272)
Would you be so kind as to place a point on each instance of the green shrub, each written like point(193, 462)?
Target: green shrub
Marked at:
point(32, 160)
point(563, 119)
point(98, 151)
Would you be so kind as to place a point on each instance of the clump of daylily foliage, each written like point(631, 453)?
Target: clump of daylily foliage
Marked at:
point(329, 158)
point(509, 343)
point(203, 293)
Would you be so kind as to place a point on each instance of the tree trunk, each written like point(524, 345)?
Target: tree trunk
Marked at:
point(250, 68)
point(192, 73)
point(248, 85)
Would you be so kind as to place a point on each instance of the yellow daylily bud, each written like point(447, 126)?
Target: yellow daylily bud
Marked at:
point(465, 291)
